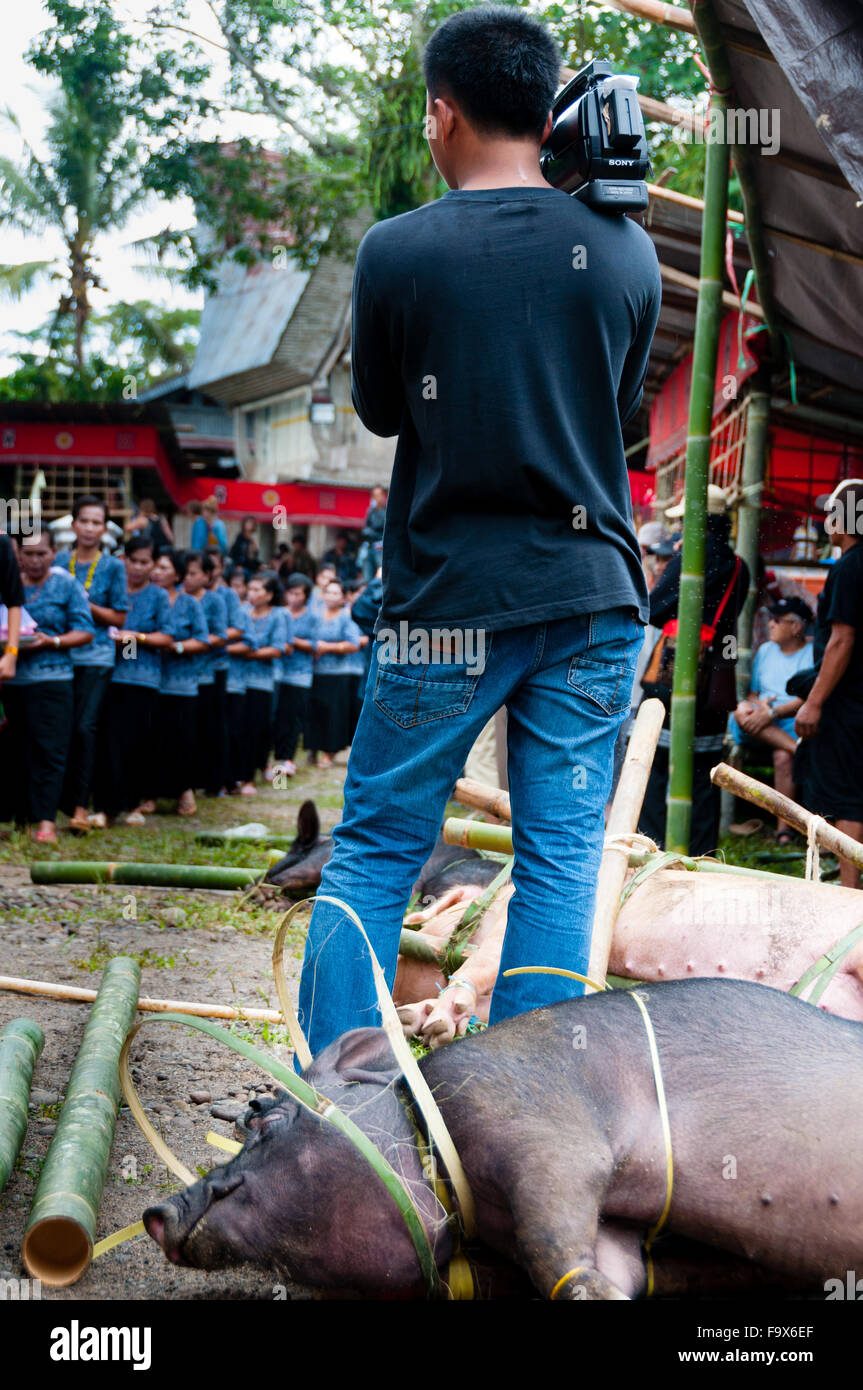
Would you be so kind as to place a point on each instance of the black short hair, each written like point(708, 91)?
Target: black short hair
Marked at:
point(271, 583)
point(139, 542)
point(500, 64)
point(167, 552)
point(89, 500)
point(197, 557)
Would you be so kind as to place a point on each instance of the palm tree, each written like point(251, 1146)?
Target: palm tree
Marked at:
point(87, 185)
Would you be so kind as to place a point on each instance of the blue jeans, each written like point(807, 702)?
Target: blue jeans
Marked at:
point(566, 686)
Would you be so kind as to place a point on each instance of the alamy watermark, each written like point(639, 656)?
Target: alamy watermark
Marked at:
point(20, 518)
point(730, 125)
point(432, 646)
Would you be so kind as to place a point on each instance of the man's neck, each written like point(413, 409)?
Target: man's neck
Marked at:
point(847, 543)
point(86, 553)
point(502, 164)
point(793, 645)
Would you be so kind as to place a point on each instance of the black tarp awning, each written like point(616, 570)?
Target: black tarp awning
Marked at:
point(804, 58)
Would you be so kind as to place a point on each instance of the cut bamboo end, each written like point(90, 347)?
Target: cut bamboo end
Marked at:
point(57, 1251)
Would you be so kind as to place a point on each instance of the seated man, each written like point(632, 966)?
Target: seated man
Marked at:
point(767, 713)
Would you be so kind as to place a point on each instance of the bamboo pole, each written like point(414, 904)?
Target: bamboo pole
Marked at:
point(75, 994)
point(143, 875)
point(622, 821)
point(749, 524)
point(21, 1041)
point(686, 200)
point(58, 1242)
point(477, 834)
point(704, 357)
point(784, 808)
point(490, 799)
point(691, 282)
point(670, 16)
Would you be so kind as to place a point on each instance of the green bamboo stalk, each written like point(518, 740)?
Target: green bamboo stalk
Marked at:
point(749, 524)
point(704, 357)
point(21, 1041)
point(58, 1242)
point(477, 834)
point(144, 875)
point(417, 947)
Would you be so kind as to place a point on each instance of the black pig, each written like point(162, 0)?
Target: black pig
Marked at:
point(298, 874)
point(555, 1117)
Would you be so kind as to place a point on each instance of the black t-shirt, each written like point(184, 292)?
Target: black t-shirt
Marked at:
point(719, 566)
point(841, 601)
point(503, 334)
point(11, 588)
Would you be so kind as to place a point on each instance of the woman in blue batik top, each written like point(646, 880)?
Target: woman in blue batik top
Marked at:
point(211, 733)
point(295, 675)
point(330, 711)
point(270, 639)
point(127, 749)
point(39, 699)
point(104, 580)
point(176, 728)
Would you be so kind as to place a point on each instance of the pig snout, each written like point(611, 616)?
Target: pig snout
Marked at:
point(187, 1227)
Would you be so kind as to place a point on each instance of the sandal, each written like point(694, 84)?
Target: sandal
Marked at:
point(135, 818)
point(80, 824)
point(45, 837)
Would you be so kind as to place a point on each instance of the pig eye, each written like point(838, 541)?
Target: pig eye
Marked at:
point(270, 1122)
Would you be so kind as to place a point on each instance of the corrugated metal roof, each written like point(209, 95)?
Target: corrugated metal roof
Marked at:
point(243, 323)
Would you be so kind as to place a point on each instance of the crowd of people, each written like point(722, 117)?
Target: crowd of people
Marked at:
point(804, 707)
point(155, 674)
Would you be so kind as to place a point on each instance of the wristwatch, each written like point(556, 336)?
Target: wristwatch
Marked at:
point(57, 643)
point(142, 637)
point(179, 648)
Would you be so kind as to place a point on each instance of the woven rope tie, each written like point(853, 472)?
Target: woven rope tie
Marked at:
point(813, 853)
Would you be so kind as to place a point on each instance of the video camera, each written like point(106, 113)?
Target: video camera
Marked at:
point(597, 149)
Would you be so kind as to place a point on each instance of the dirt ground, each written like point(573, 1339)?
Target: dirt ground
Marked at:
point(193, 946)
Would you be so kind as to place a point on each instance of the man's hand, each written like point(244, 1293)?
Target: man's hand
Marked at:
point(808, 719)
point(8, 665)
point(754, 716)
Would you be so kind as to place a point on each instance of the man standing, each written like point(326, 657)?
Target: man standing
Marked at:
point(502, 332)
point(208, 530)
point(726, 582)
point(830, 761)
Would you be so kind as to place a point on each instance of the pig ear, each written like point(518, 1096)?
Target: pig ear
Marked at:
point(364, 1054)
point(308, 824)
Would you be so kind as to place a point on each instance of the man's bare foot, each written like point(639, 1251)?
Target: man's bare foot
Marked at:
point(248, 789)
point(46, 833)
point(324, 760)
point(147, 808)
point(187, 806)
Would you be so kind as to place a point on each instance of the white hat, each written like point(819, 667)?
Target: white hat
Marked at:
point(651, 533)
point(827, 500)
point(717, 503)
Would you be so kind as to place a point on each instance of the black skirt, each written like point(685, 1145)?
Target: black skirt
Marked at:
point(176, 733)
point(292, 715)
point(331, 712)
point(126, 748)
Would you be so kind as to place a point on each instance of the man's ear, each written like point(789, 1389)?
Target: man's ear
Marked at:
point(362, 1055)
point(440, 119)
point(545, 134)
